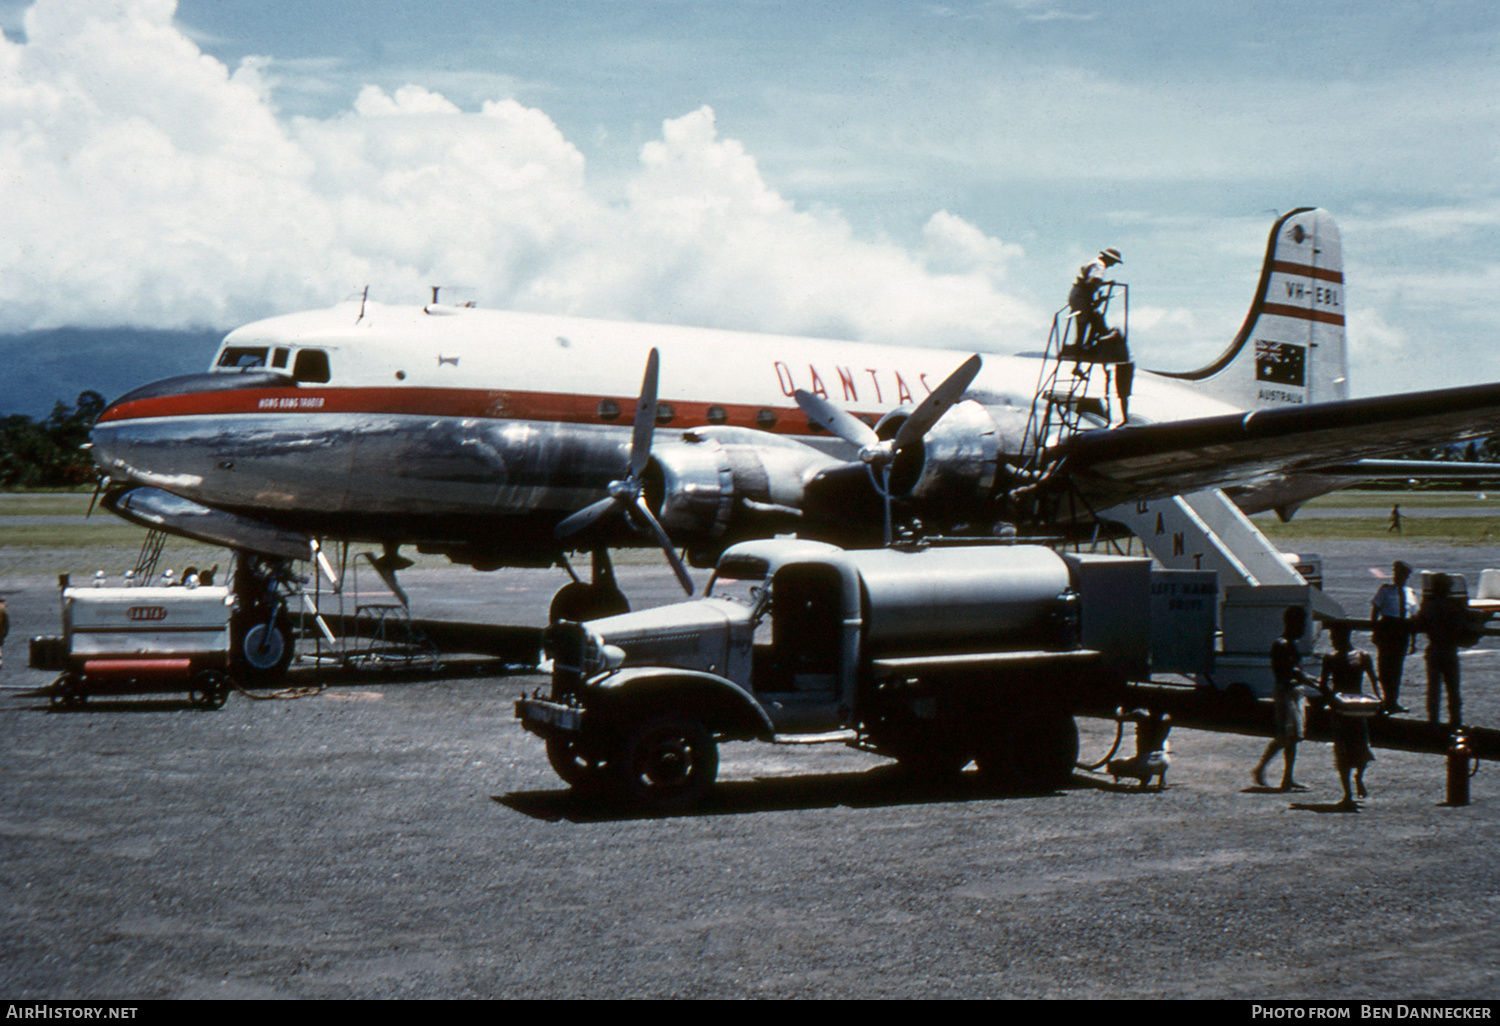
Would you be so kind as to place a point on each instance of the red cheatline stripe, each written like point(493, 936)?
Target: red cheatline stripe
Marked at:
point(1286, 267)
point(1303, 314)
point(441, 402)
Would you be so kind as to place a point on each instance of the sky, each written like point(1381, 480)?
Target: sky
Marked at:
point(922, 173)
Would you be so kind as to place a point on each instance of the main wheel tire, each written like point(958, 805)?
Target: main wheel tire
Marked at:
point(209, 690)
point(1030, 753)
point(579, 767)
point(265, 651)
point(667, 763)
point(579, 602)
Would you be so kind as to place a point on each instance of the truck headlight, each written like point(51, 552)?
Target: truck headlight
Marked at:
point(578, 653)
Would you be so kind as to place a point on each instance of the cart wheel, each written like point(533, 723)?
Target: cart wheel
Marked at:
point(68, 693)
point(209, 690)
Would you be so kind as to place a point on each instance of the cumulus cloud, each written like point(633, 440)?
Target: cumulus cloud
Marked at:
point(144, 183)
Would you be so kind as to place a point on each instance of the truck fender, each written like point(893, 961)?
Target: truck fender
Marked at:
point(722, 705)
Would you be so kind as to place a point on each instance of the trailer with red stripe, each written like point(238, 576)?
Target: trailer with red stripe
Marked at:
point(139, 640)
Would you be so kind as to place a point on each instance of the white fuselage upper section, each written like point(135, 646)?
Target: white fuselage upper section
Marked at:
point(576, 362)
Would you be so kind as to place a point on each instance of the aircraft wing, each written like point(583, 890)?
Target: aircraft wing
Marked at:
point(1150, 461)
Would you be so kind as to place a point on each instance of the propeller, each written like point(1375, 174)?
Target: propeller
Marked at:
point(879, 454)
point(626, 494)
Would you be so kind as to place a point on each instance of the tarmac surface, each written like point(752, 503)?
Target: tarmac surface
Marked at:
point(390, 836)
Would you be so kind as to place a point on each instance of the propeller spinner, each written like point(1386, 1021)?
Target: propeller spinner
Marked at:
point(879, 454)
point(626, 496)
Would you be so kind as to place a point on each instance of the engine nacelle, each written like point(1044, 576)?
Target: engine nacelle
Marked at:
point(958, 463)
point(716, 485)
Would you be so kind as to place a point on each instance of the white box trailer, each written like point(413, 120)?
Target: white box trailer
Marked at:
point(142, 639)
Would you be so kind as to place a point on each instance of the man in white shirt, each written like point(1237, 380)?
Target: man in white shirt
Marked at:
point(1390, 612)
point(1087, 317)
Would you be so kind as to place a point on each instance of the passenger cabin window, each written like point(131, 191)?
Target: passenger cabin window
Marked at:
point(243, 357)
point(311, 365)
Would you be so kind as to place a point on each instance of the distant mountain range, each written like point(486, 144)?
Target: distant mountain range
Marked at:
point(42, 367)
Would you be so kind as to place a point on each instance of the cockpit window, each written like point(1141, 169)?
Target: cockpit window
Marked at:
point(243, 357)
point(311, 365)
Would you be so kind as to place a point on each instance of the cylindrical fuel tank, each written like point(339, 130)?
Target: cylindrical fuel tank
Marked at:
point(991, 596)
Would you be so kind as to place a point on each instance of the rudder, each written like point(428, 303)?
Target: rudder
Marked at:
point(1291, 348)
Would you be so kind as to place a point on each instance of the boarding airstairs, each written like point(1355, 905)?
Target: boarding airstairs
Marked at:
point(1205, 531)
point(1255, 582)
point(381, 633)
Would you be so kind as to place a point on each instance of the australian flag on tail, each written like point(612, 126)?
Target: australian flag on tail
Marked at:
point(1283, 363)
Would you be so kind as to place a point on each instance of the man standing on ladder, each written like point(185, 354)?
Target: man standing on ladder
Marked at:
point(1083, 299)
point(1095, 341)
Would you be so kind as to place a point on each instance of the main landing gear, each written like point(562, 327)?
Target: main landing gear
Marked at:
point(600, 597)
point(260, 636)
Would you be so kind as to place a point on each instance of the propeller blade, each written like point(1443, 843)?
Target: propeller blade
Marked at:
point(840, 423)
point(935, 405)
point(654, 526)
point(625, 495)
point(584, 518)
point(645, 418)
point(642, 429)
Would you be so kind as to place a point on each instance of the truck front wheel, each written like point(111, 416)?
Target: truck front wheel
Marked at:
point(667, 762)
point(576, 763)
point(1035, 752)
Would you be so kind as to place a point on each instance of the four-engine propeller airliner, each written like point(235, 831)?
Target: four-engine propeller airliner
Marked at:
point(503, 438)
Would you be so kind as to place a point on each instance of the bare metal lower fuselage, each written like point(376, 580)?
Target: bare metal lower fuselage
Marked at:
point(484, 490)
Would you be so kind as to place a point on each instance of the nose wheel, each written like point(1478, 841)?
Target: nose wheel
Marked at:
point(265, 650)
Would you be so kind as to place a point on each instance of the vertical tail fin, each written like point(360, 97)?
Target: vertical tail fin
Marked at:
point(1291, 347)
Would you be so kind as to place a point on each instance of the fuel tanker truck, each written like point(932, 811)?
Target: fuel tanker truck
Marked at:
point(932, 655)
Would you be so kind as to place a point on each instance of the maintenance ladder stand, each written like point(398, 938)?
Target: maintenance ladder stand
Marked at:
point(1063, 403)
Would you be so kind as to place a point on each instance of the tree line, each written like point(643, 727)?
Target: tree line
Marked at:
point(49, 453)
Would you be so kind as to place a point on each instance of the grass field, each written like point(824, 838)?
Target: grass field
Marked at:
point(111, 544)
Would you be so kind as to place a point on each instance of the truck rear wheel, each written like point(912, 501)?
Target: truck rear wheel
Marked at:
point(931, 756)
point(667, 762)
point(1035, 752)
